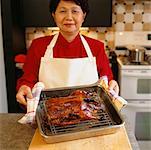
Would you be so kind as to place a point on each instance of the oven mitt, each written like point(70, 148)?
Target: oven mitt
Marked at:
point(119, 101)
point(32, 104)
point(116, 99)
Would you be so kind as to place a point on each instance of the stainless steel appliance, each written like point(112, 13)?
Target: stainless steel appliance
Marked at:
point(136, 53)
point(135, 85)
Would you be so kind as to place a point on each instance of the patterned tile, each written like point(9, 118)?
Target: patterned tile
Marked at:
point(138, 17)
point(128, 27)
point(128, 17)
point(137, 26)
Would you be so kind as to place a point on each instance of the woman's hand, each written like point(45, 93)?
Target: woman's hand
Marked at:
point(113, 85)
point(23, 92)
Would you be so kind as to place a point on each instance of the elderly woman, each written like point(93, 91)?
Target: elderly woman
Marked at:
point(67, 58)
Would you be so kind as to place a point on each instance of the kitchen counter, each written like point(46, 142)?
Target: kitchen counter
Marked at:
point(15, 136)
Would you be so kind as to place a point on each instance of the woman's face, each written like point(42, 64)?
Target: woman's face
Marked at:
point(68, 17)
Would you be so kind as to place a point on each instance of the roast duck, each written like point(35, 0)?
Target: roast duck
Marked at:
point(79, 106)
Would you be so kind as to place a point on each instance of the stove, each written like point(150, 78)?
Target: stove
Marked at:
point(135, 83)
point(124, 63)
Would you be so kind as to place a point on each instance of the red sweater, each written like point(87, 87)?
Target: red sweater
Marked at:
point(62, 49)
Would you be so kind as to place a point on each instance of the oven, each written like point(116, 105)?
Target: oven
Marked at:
point(135, 86)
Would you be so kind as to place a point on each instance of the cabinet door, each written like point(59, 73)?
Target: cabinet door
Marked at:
point(35, 13)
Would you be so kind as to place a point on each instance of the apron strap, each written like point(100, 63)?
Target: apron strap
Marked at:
point(49, 50)
point(87, 48)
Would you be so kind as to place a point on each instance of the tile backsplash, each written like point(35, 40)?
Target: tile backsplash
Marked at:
point(127, 15)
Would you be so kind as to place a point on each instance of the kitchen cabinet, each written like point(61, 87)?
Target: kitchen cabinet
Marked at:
point(13, 44)
point(35, 13)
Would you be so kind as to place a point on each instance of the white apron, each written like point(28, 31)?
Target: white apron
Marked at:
point(65, 72)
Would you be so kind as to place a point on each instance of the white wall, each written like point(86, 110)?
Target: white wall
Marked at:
point(3, 97)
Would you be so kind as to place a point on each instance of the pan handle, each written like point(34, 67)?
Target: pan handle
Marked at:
point(119, 103)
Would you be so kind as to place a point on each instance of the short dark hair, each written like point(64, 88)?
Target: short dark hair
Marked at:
point(82, 3)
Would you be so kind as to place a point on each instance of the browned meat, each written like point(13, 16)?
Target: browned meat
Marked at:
point(70, 110)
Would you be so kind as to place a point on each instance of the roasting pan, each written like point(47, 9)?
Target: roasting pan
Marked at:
point(109, 124)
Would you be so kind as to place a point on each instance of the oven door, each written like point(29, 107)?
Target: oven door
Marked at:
point(138, 114)
point(135, 84)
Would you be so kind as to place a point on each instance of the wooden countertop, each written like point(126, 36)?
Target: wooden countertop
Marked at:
point(116, 141)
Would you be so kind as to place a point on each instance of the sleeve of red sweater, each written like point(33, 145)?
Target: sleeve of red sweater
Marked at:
point(103, 63)
point(32, 64)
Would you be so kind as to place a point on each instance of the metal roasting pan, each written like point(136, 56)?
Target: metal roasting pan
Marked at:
point(110, 123)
